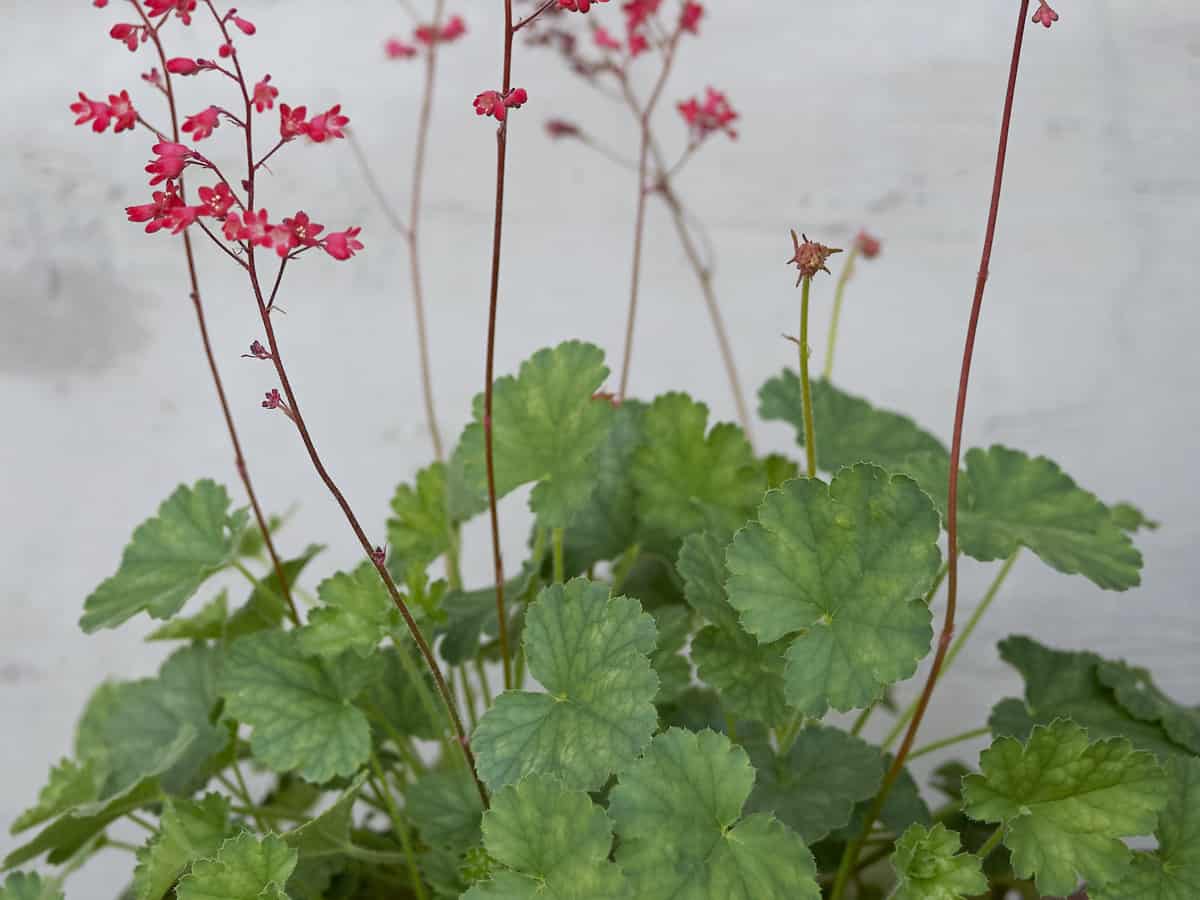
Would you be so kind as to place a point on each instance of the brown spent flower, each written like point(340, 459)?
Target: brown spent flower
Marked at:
point(810, 256)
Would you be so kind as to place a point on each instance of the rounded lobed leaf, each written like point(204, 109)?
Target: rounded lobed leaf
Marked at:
point(929, 866)
point(591, 653)
point(678, 812)
point(1066, 803)
point(843, 567)
point(245, 868)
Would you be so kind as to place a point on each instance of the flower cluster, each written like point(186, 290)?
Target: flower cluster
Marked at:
point(118, 110)
point(427, 35)
point(713, 114)
point(493, 103)
point(237, 219)
point(580, 6)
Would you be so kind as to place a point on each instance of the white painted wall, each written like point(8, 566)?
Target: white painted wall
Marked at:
point(854, 113)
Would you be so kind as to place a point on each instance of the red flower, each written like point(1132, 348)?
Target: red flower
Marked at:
point(297, 231)
point(216, 201)
point(233, 228)
point(292, 121)
point(1045, 15)
point(605, 40)
point(182, 8)
point(273, 400)
point(560, 128)
point(578, 5)
point(158, 213)
point(397, 49)
point(638, 11)
point(93, 111)
point(327, 125)
point(490, 103)
point(172, 158)
point(122, 111)
point(714, 114)
point(689, 20)
point(867, 245)
point(255, 228)
point(637, 43)
point(342, 244)
point(244, 26)
point(201, 125)
point(183, 65)
point(153, 77)
point(451, 31)
point(128, 34)
point(265, 94)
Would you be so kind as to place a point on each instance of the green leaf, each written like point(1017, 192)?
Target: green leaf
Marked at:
point(357, 613)
point(546, 429)
point(748, 675)
point(702, 566)
point(929, 866)
point(246, 868)
point(1172, 872)
point(678, 812)
point(266, 609)
point(63, 837)
point(1129, 518)
point(814, 786)
point(1066, 803)
point(849, 429)
point(400, 700)
point(421, 530)
point(188, 831)
point(208, 624)
point(329, 833)
point(300, 707)
point(29, 886)
point(591, 653)
point(125, 726)
point(445, 808)
point(193, 537)
point(687, 481)
point(673, 624)
point(555, 843)
point(607, 524)
point(472, 614)
point(780, 469)
point(846, 566)
point(1065, 684)
point(1139, 696)
point(70, 784)
point(1008, 499)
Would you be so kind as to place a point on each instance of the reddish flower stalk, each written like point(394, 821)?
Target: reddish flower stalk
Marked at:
point(639, 226)
point(239, 457)
point(850, 857)
point(264, 309)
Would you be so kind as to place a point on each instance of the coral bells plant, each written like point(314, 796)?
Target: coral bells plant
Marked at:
point(669, 697)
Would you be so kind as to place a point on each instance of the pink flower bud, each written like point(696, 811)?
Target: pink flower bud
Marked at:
point(182, 65)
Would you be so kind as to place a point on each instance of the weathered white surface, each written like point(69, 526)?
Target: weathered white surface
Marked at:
point(854, 113)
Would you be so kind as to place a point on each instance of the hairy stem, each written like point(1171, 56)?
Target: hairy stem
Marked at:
point(960, 407)
point(956, 647)
point(839, 292)
point(297, 416)
point(810, 439)
point(490, 363)
point(639, 226)
point(239, 458)
point(558, 565)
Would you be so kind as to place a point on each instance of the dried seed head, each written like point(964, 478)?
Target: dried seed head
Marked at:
point(810, 256)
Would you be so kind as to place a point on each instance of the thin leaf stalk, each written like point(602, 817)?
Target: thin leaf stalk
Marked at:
point(947, 632)
point(839, 293)
point(810, 439)
point(239, 457)
point(264, 311)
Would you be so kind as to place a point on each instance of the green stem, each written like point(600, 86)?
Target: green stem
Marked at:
point(557, 536)
point(956, 647)
point(628, 560)
point(144, 823)
point(838, 293)
point(469, 695)
point(245, 794)
point(731, 729)
point(486, 688)
point(519, 665)
point(413, 674)
point(810, 441)
point(991, 843)
point(787, 735)
point(950, 741)
point(453, 566)
point(398, 825)
point(121, 845)
point(260, 584)
point(861, 721)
